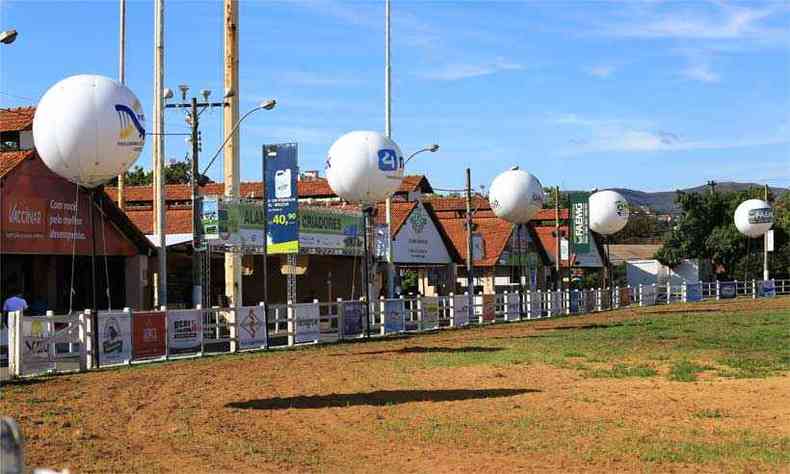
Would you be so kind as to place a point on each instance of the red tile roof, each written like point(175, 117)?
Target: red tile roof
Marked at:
point(550, 215)
point(494, 231)
point(548, 240)
point(16, 120)
point(10, 159)
point(400, 212)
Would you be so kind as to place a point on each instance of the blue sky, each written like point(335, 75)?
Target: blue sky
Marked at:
point(651, 95)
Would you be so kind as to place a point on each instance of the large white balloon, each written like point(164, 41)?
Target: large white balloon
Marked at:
point(89, 129)
point(364, 167)
point(754, 217)
point(608, 212)
point(516, 196)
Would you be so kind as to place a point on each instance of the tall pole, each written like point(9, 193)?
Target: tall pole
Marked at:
point(94, 306)
point(122, 80)
point(197, 285)
point(158, 148)
point(557, 233)
point(470, 280)
point(765, 245)
point(231, 157)
point(388, 132)
point(366, 279)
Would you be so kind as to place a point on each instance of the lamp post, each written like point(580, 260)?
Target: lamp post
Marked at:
point(390, 257)
point(8, 36)
point(195, 109)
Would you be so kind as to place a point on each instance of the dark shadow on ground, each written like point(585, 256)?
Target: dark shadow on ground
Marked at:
point(377, 398)
point(582, 326)
point(425, 350)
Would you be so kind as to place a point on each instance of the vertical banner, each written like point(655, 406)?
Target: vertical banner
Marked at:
point(280, 173)
point(115, 337)
point(693, 292)
point(252, 329)
point(353, 315)
point(394, 313)
point(728, 289)
point(307, 323)
point(148, 334)
point(580, 223)
point(461, 310)
point(184, 331)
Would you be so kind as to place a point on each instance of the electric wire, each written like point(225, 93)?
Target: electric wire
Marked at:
point(74, 245)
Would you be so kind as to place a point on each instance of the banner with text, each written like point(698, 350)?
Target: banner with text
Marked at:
point(148, 334)
point(280, 173)
point(185, 331)
point(330, 232)
point(115, 337)
point(252, 329)
point(307, 323)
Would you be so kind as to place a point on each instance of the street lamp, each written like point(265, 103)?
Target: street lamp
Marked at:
point(8, 36)
point(265, 105)
point(432, 148)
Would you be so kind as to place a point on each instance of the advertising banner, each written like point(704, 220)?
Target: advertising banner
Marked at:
point(625, 297)
point(728, 289)
point(280, 173)
point(330, 232)
point(252, 329)
point(580, 222)
point(430, 312)
point(648, 295)
point(535, 304)
point(489, 308)
point(115, 337)
point(512, 307)
point(394, 313)
point(589, 301)
point(185, 331)
point(556, 302)
point(231, 222)
point(576, 300)
point(353, 316)
point(148, 334)
point(461, 310)
point(768, 288)
point(307, 323)
point(693, 292)
point(418, 240)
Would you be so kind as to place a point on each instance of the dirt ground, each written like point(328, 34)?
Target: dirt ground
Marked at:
point(380, 407)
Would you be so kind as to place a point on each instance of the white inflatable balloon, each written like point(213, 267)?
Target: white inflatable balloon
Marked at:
point(608, 212)
point(754, 217)
point(516, 196)
point(89, 129)
point(364, 167)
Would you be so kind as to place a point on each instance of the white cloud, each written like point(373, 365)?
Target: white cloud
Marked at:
point(700, 72)
point(601, 71)
point(454, 72)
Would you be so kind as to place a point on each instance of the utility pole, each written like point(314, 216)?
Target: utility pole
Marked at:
point(557, 233)
point(233, 279)
point(470, 280)
point(158, 149)
point(388, 133)
point(712, 185)
point(197, 284)
point(765, 245)
point(122, 80)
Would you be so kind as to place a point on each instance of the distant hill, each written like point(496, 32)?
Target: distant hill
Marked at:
point(664, 201)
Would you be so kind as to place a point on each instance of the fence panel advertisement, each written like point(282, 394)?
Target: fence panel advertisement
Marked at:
point(430, 312)
point(727, 289)
point(512, 307)
point(489, 308)
point(555, 302)
point(625, 296)
point(589, 301)
point(280, 173)
point(535, 304)
point(148, 334)
point(461, 310)
point(394, 313)
point(576, 300)
point(767, 289)
point(647, 295)
point(307, 323)
point(185, 331)
point(353, 315)
point(330, 232)
point(693, 291)
point(252, 329)
point(115, 337)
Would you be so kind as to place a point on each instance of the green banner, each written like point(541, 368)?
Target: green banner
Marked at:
point(580, 223)
point(232, 222)
point(330, 232)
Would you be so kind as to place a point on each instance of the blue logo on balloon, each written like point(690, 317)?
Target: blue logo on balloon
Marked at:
point(389, 160)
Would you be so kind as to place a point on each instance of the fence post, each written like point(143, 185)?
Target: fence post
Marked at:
point(640, 295)
point(684, 292)
point(90, 348)
point(452, 310)
point(290, 322)
point(718, 294)
point(568, 301)
point(15, 342)
point(382, 315)
point(754, 289)
point(341, 315)
point(528, 303)
point(83, 338)
point(419, 312)
point(598, 299)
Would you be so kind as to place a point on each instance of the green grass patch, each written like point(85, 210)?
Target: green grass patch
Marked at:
point(745, 448)
point(621, 371)
point(685, 371)
point(713, 413)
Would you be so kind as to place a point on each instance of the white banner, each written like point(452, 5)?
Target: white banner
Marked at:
point(252, 330)
point(648, 297)
point(430, 312)
point(307, 322)
point(461, 310)
point(512, 307)
point(185, 331)
point(115, 337)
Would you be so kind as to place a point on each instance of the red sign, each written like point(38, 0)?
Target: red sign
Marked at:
point(489, 307)
point(43, 213)
point(148, 334)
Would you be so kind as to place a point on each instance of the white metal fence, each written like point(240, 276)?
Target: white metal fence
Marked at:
point(84, 341)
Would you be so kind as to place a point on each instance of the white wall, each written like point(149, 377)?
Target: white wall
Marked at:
point(648, 272)
point(418, 241)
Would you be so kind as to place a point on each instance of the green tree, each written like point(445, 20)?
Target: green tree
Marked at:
point(176, 172)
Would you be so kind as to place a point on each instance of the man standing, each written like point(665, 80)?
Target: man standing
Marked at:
point(16, 302)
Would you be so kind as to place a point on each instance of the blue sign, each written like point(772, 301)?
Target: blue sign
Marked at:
point(728, 289)
point(767, 289)
point(394, 312)
point(575, 302)
point(693, 291)
point(353, 315)
point(280, 173)
point(389, 160)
